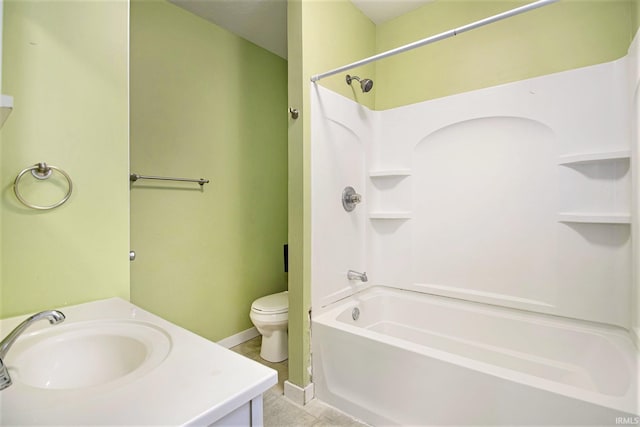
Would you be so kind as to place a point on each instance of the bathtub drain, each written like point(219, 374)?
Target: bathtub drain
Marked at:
point(355, 313)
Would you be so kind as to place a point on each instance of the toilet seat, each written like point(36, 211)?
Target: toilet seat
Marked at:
point(272, 304)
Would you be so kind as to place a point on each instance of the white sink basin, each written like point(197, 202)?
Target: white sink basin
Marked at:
point(87, 354)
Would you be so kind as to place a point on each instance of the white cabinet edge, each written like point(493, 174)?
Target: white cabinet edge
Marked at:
point(6, 106)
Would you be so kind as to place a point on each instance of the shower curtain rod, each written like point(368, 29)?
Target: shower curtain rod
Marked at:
point(437, 37)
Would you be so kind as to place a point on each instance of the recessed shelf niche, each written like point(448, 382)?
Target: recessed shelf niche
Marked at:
point(393, 194)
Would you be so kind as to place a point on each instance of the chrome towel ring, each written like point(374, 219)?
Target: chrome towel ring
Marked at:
point(42, 171)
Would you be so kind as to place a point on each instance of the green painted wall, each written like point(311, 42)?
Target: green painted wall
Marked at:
point(336, 33)
point(297, 188)
point(562, 36)
point(1, 299)
point(205, 103)
point(65, 63)
point(322, 35)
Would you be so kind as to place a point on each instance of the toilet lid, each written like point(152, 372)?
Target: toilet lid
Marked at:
point(276, 303)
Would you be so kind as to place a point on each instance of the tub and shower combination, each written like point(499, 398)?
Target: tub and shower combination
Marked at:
point(496, 228)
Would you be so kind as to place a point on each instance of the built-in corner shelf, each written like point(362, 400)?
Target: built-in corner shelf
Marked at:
point(601, 158)
point(390, 215)
point(389, 173)
point(6, 106)
point(591, 218)
point(572, 159)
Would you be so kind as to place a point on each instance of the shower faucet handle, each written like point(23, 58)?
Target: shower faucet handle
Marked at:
point(350, 199)
point(355, 198)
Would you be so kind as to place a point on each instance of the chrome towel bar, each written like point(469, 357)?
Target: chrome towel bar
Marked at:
point(134, 177)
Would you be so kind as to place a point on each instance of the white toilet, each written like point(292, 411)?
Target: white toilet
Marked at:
point(270, 316)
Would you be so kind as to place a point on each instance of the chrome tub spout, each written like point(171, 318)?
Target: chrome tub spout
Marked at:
point(355, 275)
point(53, 316)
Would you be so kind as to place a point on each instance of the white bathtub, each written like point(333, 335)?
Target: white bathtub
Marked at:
point(417, 359)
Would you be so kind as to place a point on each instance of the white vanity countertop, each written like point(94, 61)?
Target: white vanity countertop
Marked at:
point(198, 382)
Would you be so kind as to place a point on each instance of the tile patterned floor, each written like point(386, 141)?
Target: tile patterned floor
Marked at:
point(282, 412)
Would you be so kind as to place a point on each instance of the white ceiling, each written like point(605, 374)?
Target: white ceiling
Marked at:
point(380, 11)
point(264, 22)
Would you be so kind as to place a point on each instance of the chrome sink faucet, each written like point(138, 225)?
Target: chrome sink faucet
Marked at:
point(53, 316)
point(355, 275)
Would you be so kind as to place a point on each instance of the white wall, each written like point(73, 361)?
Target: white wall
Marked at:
point(633, 59)
point(517, 195)
point(342, 135)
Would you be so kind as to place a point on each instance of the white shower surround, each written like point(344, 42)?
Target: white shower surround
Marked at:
point(521, 197)
point(517, 195)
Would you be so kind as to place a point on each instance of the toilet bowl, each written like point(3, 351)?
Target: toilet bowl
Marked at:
point(270, 316)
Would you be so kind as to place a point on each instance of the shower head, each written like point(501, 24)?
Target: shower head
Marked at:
point(365, 84)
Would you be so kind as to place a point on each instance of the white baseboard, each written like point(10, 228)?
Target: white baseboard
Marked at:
point(239, 338)
point(297, 394)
